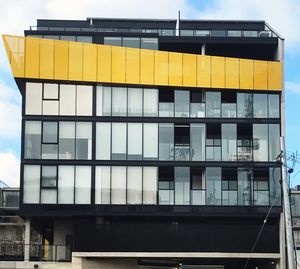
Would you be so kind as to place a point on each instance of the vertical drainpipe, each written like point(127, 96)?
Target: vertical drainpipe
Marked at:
point(177, 31)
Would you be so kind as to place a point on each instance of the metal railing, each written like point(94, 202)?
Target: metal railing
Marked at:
point(163, 32)
point(37, 252)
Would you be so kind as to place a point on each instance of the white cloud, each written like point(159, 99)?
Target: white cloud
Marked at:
point(293, 86)
point(9, 169)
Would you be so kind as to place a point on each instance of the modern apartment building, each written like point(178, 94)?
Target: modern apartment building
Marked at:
point(152, 143)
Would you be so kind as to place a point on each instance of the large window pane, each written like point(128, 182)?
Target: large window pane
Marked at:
point(166, 141)
point(48, 196)
point(150, 103)
point(103, 101)
point(135, 102)
point(182, 185)
point(84, 140)
point(150, 146)
point(118, 141)
point(149, 43)
point(166, 103)
point(32, 149)
point(260, 142)
point(197, 146)
point(66, 184)
point(229, 186)
point(149, 185)
point(118, 185)
point(134, 185)
point(50, 91)
point(229, 142)
point(274, 141)
point(113, 41)
point(135, 141)
point(33, 103)
point(102, 185)
point(103, 140)
point(50, 107)
point(131, 42)
point(31, 184)
point(273, 105)
point(84, 106)
point(182, 103)
point(244, 186)
point(67, 140)
point(49, 176)
point(67, 97)
point(275, 186)
point(119, 101)
point(83, 185)
point(197, 105)
point(213, 104)
point(49, 132)
point(49, 151)
point(213, 186)
point(244, 105)
point(261, 186)
point(260, 105)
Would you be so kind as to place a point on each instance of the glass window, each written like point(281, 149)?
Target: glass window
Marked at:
point(68, 38)
point(182, 103)
point(135, 102)
point(84, 106)
point(32, 149)
point(149, 43)
point(234, 33)
point(48, 196)
point(67, 99)
point(213, 186)
point(113, 41)
point(85, 39)
point(83, 140)
point(260, 142)
point(198, 186)
point(134, 185)
point(49, 176)
point(244, 186)
point(197, 105)
point(150, 143)
point(213, 142)
point(213, 104)
point(103, 101)
point(273, 105)
point(186, 32)
point(201, 32)
point(275, 186)
point(103, 140)
point(197, 147)
point(244, 105)
point(149, 185)
point(167, 32)
point(118, 141)
point(274, 141)
point(166, 103)
point(135, 141)
point(150, 103)
point(229, 142)
point(182, 142)
point(31, 184)
point(229, 186)
point(131, 42)
point(228, 100)
point(66, 184)
point(119, 101)
point(82, 185)
point(49, 132)
point(50, 107)
point(102, 185)
point(261, 186)
point(50, 91)
point(49, 151)
point(166, 185)
point(67, 140)
point(260, 105)
point(182, 185)
point(250, 33)
point(118, 185)
point(33, 98)
point(166, 141)
point(244, 142)
point(218, 33)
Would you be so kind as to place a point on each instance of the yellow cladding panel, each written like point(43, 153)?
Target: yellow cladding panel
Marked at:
point(175, 69)
point(161, 68)
point(147, 67)
point(118, 64)
point(203, 71)
point(246, 74)
point(47, 58)
point(217, 72)
point(89, 62)
point(61, 59)
point(104, 64)
point(189, 70)
point(75, 61)
point(132, 66)
point(232, 68)
point(274, 76)
point(260, 75)
point(32, 52)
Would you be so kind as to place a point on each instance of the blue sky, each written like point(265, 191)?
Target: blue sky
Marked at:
point(282, 15)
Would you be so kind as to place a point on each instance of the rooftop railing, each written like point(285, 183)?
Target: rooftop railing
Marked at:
point(163, 32)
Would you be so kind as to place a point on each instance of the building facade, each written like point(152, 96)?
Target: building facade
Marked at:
point(153, 142)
